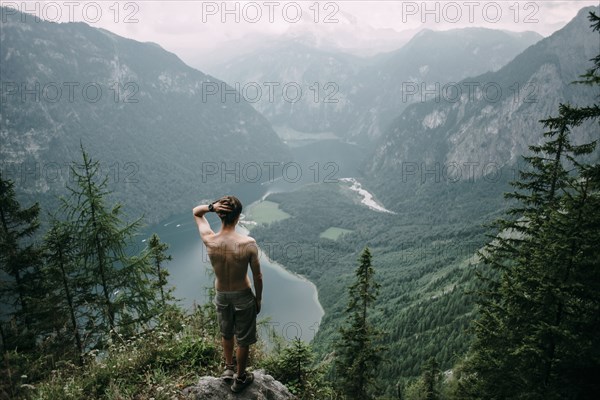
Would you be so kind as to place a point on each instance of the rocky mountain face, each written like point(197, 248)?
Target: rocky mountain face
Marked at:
point(156, 124)
point(418, 71)
point(355, 98)
point(485, 123)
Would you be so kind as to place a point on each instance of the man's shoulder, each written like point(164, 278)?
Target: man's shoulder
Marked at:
point(241, 238)
point(249, 243)
point(208, 237)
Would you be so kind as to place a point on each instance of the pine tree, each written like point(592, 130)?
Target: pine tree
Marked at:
point(119, 286)
point(431, 379)
point(536, 332)
point(425, 387)
point(20, 261)
point(357, 352)
point(294, 366)
point(63, 301)
point(157, 255)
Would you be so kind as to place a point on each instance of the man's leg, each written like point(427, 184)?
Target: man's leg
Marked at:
point(228, 351)
point(245, 328)
point(242, 360)
point(229, 372)
point(225, 319)
point(242, 378)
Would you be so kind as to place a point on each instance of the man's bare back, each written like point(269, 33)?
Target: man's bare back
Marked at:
point(230, 254)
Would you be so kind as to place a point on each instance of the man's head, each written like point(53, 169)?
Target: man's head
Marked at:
point(231, 217)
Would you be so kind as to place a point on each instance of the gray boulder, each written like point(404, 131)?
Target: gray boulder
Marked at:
point(264, 387)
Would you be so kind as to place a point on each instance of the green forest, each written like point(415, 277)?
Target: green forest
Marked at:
point(461, 294)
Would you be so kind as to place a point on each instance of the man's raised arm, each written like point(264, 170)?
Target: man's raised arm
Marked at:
point(203, 225)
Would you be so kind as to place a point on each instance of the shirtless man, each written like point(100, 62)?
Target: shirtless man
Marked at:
point(230, 254)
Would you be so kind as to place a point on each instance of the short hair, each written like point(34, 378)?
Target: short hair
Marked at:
point(230, 217)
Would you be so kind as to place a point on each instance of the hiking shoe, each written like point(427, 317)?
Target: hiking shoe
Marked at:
point(241, 384)
point(229, 374)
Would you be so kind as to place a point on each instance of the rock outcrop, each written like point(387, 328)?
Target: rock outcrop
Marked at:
point(264, 387)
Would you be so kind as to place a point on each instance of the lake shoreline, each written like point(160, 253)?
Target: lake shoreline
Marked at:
point(301, 278)
point(283, 268)
point(276, 264)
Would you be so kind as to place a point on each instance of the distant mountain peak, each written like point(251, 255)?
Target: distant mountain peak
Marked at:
point(481, 128)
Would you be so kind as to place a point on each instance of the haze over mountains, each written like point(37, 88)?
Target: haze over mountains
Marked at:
point(353, 97)
point(348, 35)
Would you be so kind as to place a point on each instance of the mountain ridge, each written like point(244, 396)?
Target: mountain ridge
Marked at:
point(492, 128)
point(120, 97)
point(365, 93)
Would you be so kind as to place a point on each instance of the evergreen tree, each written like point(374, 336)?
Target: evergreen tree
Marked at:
point(63, 301)
point(19, 264)
point(536, 332)
point(119, 286)
point(357, 353)
point(431, 379)
point(427, 386)
point(157, 254)
point(294, 366)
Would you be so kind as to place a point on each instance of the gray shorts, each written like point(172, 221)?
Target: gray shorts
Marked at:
point(236, 313)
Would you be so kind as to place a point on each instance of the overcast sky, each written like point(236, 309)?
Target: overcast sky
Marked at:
point(194, 29)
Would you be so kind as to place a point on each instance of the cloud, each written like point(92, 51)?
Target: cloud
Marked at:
point(191, 28)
